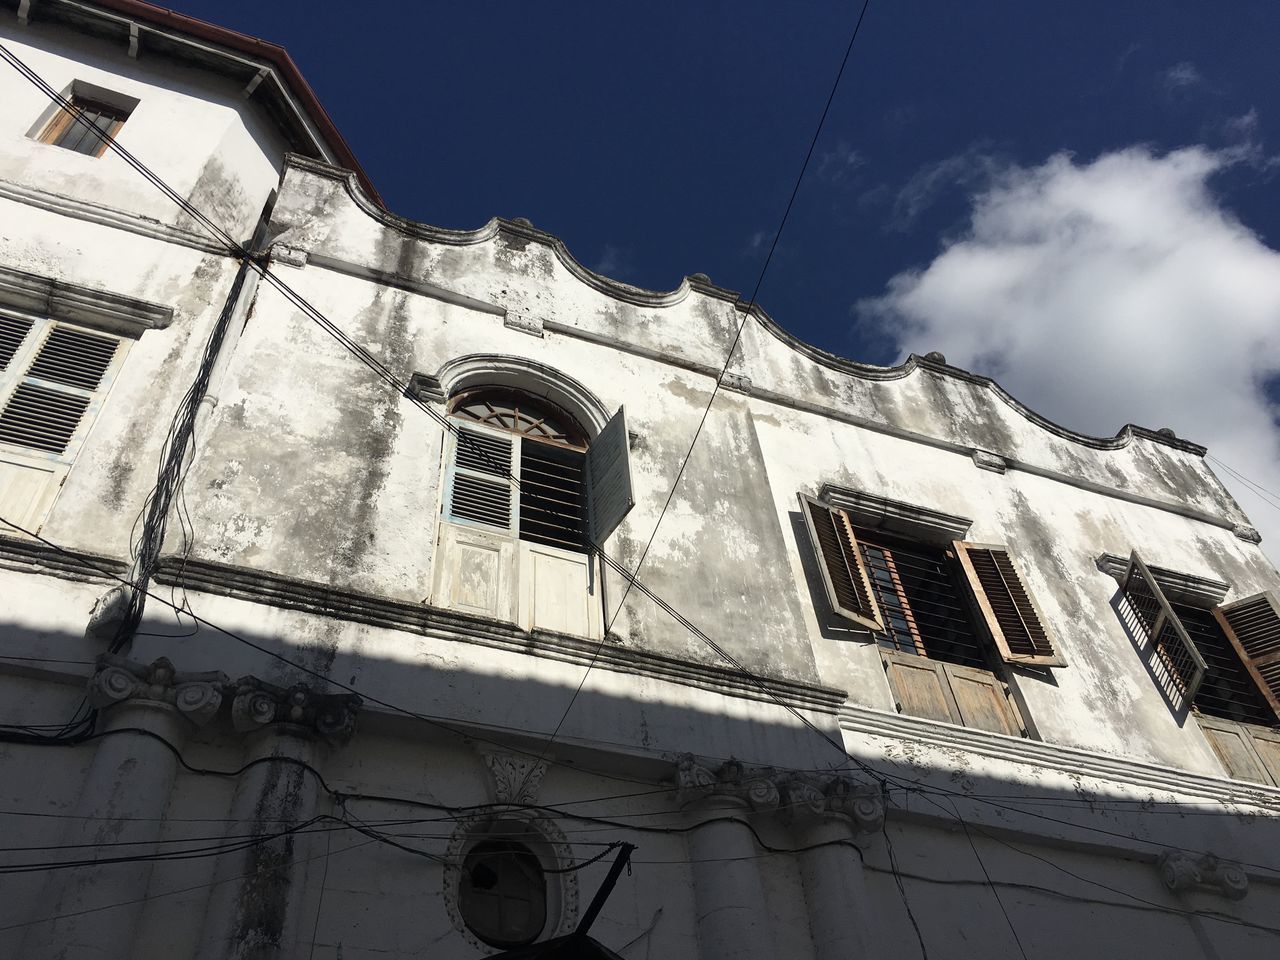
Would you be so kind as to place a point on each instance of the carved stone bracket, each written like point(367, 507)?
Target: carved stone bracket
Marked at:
point(292, 256)
point(1247, 533)
point(524, 322)
point(515, 779)
point(985, 460)
point(796, 799)
point(196, 696)
point(738, 382)
point(1181, 872)
point(258, 704)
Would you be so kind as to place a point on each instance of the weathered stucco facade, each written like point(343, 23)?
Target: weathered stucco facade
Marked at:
point(358, 688)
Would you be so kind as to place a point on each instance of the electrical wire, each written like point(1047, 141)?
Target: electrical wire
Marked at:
point(747, 312)
point(386, 374)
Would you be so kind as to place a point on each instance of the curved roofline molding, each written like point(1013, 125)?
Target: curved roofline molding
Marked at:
point(700, 283)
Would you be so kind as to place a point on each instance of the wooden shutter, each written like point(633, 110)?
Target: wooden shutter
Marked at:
point(54, 392)
point(950, 692)
point(1017, 625)
point(1156, 621)
point(479, 486)
point(844, 574)
point(610, 496)
point(13, 330)
point(1253, 627)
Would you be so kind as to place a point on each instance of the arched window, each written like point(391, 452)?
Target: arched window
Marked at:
point(519, 466)
point(503, 893)
point(528, 496)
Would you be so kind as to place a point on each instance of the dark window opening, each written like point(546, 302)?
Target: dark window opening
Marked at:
point(503, 893)
point(922, 602)
point(1227, 690)
point(86, 128)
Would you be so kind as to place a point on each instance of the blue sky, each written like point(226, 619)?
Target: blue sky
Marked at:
point(1077, 198)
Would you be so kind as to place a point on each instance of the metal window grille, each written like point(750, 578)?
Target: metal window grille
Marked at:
point(921, 602)
point(86, 128)
point(1227, 690)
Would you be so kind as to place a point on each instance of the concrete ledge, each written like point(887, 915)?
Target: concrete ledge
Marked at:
point(291, 594)
point(1125, 772)
point(75, 303)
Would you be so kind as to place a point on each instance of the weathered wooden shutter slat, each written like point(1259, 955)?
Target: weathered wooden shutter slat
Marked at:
point(1253, 627)
point(840, 562)
point(610, 496)
point(1162, 628)
point(1020, 630)
point(480, 489)
point(13, 330)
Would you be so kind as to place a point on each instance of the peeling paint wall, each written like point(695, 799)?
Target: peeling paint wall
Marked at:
point(314, 500)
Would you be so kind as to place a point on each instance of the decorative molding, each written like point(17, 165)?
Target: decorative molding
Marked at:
point(1125, 772)
point(75, 303)
point(797, 799)
point(515, 779)
point(549, 843)
point(197, 696)
point(1194, 591)
point(524, 322)
point(985, 460)
point(328, 716)
point(1247, 533)
point(738, 382)
point(1181, 872)
point(893, 516)
point(426, 387)
point(323, 600)
point(289, 256)
point(32, 556)
point(521, 373)
point(109, 217)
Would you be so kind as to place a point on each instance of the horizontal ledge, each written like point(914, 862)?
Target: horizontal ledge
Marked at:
point(75, 303)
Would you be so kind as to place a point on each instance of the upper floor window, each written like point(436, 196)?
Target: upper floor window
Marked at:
point(519, 466)
point(528, 497)
point(1223, 664)
point(503, 893)
point(946, 619)
point(87, 127)
point(53, 376)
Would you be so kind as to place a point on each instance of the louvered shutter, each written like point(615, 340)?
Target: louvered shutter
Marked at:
point(1018, 627)
point(844, 573)
point(1156, 621)
point(610, 496)
point(479, 487)
point(54, 392)
point(13, 331)
point(1253, 627)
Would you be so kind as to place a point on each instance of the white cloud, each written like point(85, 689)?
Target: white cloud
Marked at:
point(1112, 291)
point(1182, 76)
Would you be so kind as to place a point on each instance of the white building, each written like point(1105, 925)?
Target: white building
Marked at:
point(960, 682)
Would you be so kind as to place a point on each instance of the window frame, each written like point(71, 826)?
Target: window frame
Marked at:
point(63, 119)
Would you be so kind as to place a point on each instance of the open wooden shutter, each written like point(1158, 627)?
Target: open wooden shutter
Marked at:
point(609, 493)
point(13, 330)
point(1017, 625)
point(1253, 627)
point(480, 488)
point(844, 574)
point(1162, 628)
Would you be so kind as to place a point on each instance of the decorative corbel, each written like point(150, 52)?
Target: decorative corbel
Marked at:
point(515, 779)
point(258, 704)
point(1181, 872)
point(196, 696)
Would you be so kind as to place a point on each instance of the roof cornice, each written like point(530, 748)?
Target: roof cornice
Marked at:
point(930, 364)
